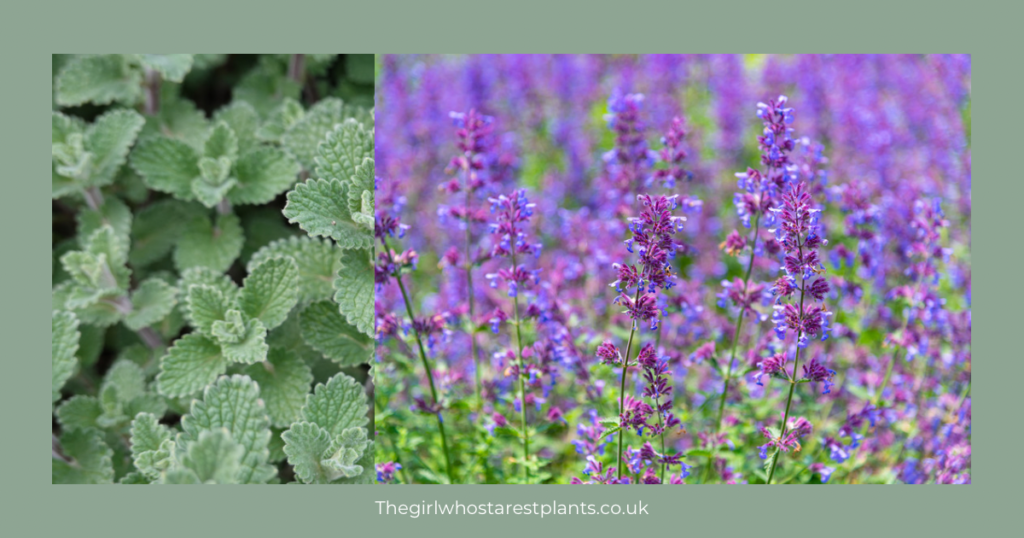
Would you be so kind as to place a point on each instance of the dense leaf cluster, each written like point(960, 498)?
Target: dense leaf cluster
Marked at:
point(198, 337)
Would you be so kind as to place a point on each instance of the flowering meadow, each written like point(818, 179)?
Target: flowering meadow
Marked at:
point(673, 269)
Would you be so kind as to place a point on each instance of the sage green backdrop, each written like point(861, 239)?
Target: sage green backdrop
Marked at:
point(32, 31)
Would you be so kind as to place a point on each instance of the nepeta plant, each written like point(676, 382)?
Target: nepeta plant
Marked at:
point(629, 384)
point(511, 241)
point(197, 338)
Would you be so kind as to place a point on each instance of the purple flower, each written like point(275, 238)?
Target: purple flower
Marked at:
point(386, 471)
point(815, 372)
point(609, 354)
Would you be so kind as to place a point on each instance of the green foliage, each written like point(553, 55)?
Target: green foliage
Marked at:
point(328, 446)
point(179, 289)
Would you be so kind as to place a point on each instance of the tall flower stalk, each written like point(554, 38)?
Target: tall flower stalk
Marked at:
point(638, 286)
point(757, 199)
point(473, 132)
point(511, 242)
point(800, 240)
point(390, 265)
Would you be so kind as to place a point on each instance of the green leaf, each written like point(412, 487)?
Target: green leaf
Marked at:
point(319, 458)
point(320, 207)
point(206, 305)
point(109, 242)
point(128, 380)
point(211, 193)
point(307, 446)
point(221, 143)
point(354, 289)
point(369, 474)
point(241, 341)
point(91, 459)
point(62, 126)
point(318, 261)
point(243, 120)
point(611, 431)
point(172, 67)
point(327, 331)
point(234, 403)
point(344, 149)
point(152, 446)
point(192, 363)
point(151, 403)
point(64, 337)
point(266, 85)
point(99, 79)
point(157, 228)
point(151, 302)
point(208, 277)
point(109, 138)
point(134, 477)
point(360, 194)
point(337, 406)
point(113, 213)
point(284, 381)
point(178, 118)
point(302, 139)
point(215, 457)
point(167, 165)
point(271, 291)
point(204, 245)
point(80, 412)
point(769, 463)
point(283, 118)
point(261, 175)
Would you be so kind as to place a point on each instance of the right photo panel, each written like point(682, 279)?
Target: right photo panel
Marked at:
point(673, 269)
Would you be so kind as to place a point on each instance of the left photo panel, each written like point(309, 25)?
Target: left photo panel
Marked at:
point(212, 277)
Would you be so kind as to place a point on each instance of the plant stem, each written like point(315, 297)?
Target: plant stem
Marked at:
point(297, 68)
point(58, 452)
point(151, 107)
point(622, 388)
point(93, 198)
point(792, 379)
point(735, 344)
point(150, 337)
point(474, 353)
point(657, 406)
point(522, 382)
point(224, 206)
point(423, 357)
point(785, 416)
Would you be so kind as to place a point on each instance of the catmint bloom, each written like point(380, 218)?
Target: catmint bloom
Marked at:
point(734, 243)
point(704, 352)
point(630, 162)
point(673, 155)
point(652, 241)
point(790, 441)
point(815, 372)
point(770, 366)
point(745, 297)
point(474, 132)
point(798, 234)
point(386, 471)
point(634, 416)
point(609, 354)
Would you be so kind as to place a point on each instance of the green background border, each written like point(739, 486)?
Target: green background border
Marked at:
point(31, 32)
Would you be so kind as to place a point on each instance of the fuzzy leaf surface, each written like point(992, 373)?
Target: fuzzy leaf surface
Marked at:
point(193, 362)
point(234, 403)
point(271, 291)
point(327, 331)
